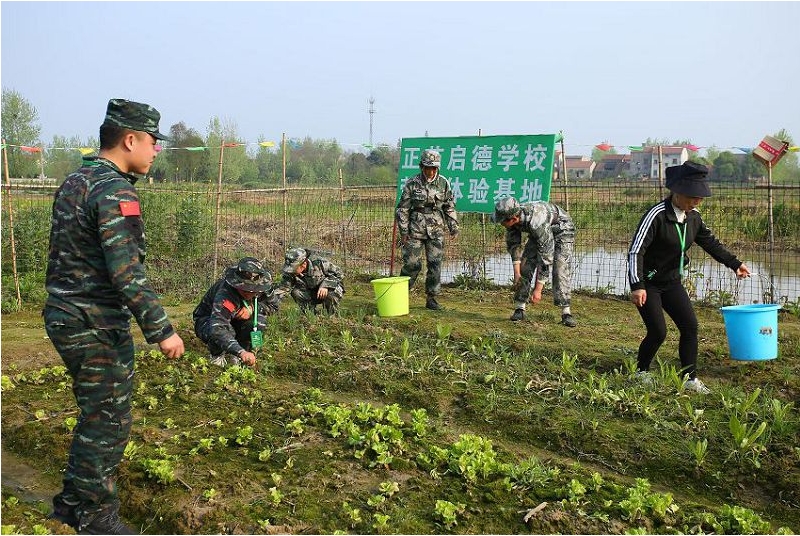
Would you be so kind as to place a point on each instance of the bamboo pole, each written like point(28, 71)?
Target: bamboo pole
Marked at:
point(771, 235)
point(219, 204)
point(285, 193)
point(483, 234)
point(660, 173)
point(11, 226)
point(341, 204)
point(41, 160)
point(564, 168)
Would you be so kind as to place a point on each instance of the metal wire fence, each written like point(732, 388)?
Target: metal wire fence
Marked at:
point(193, 231)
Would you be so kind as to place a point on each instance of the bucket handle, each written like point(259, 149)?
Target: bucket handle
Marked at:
point(765, 280)
point(388, 288)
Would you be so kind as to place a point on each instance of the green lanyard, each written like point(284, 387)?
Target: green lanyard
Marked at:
point(682, 237)
point(255, 313)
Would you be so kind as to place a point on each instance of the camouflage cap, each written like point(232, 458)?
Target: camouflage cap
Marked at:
point(294, 258)
point(505, 208)
point(430, 158)
point(134, 116)
point(248, 275)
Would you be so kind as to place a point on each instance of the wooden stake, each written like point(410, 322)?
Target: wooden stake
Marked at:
point(11, 226)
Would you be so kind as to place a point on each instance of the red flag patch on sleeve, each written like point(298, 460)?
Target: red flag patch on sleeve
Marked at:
point(130, 208)
point(228, 304)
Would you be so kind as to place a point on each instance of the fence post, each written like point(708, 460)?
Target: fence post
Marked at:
point(341, 204)
point(11, 226)
point(660, 173)
point(564, 168)
point(285, 193)
point(771, 234)
point(219, 203)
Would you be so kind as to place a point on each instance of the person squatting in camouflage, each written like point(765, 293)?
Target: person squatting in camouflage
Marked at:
point(426, 206)
point(311, 280)
point(225, 320)
point(551, 243)
point(95, 282)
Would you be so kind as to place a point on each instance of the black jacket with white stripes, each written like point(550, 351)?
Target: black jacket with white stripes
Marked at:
point(655, 252)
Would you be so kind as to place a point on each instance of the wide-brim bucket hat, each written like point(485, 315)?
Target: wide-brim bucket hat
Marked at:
point(690, 179)
point(249, 275)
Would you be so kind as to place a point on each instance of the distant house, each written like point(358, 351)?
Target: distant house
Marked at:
point(578, 167)
point(644, 162)
point(613, 166)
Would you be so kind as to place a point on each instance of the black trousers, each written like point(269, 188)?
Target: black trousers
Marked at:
point(673, 299)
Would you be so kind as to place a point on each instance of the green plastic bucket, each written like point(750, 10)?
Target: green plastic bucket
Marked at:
point(391, 295)
point(752, 331)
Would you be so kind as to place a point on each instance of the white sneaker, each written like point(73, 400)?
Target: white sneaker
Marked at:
point(697, 386)
point(218, 360)
point(642, 376)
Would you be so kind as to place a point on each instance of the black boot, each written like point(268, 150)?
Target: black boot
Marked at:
point(432, 304)
point(519, 314)
point(106, 521)
point(568, 321)
point(64, 512)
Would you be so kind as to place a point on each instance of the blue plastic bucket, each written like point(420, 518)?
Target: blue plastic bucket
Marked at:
point(752, 331)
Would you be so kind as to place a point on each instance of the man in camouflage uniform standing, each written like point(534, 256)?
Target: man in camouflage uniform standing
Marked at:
point(426, 206)
point(95, 282)
point(311, 280)
point(551, 244)
point(232, 315)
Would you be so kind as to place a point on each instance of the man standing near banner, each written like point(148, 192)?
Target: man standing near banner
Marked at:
point(426, 206)
point(95, 282)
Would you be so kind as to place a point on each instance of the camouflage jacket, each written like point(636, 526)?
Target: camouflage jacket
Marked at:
point(537, 219)
point(216, 315)
point(320, 273)
point(95, 268)
point(425, 207)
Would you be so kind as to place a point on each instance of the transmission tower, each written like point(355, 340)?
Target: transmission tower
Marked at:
point(371, 113)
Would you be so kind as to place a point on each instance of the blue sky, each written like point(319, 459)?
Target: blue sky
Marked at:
point(720, 74)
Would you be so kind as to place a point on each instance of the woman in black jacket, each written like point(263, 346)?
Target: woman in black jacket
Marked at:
point(656, 261)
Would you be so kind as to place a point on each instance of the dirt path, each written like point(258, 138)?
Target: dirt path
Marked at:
point(25, 482)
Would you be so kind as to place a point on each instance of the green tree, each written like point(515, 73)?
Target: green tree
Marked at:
point(234, 155)
point(64, 157)
point(726, 167)
point(184, 164)
point(269, 164)
point(20, 127)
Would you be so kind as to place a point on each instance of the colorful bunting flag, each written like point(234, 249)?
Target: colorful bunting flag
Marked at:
point(793, 149)
point(30, 149)
point(193, 148)
point(692, 147)
point(604, 147)
point(267, 144)
point(745, 149)
point(635, 147)
point(231, 144)
point(85, 151)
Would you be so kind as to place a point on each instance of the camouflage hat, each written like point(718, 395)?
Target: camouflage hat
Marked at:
point(430, 158)
point(248, 275)
point(294, 258)
point(134, 116)
point(505, 208)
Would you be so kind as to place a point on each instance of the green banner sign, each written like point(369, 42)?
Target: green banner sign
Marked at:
point(482, 169)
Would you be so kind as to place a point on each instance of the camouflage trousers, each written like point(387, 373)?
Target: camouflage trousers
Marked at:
point(307, 299)
point(100, 363)
point(564, 251)
point(433, 248)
